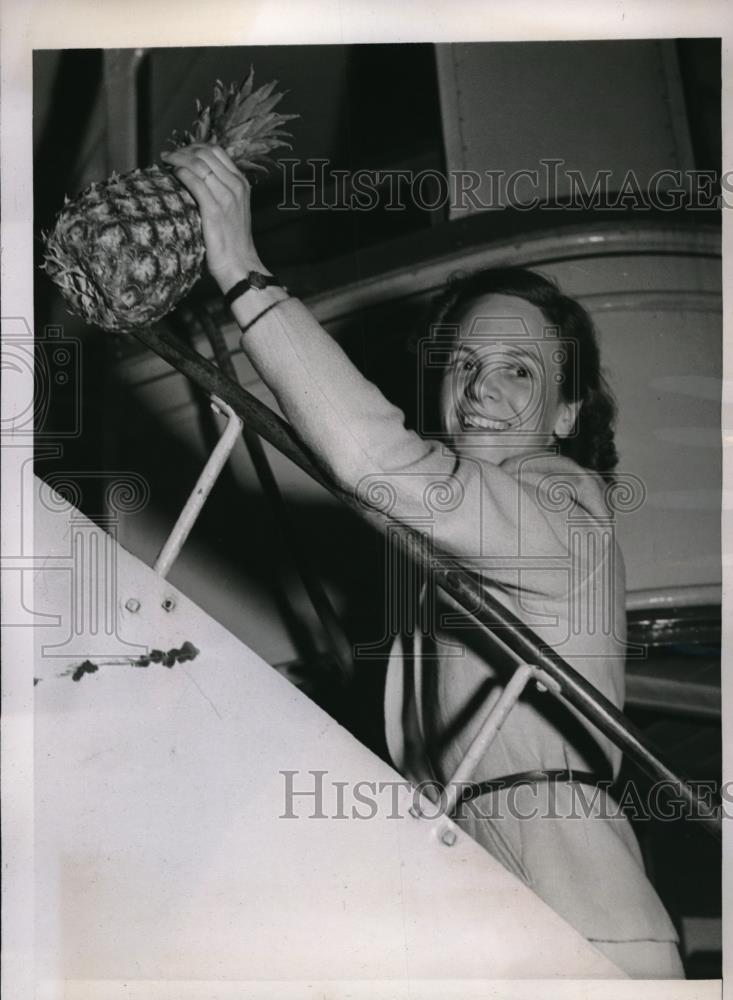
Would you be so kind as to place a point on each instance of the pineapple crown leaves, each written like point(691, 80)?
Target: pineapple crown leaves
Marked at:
point(242, 121)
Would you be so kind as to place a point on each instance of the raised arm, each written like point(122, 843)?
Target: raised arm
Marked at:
point(355, 432)
point(342, 416)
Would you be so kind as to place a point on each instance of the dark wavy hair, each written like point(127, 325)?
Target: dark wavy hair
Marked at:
point(592, 442)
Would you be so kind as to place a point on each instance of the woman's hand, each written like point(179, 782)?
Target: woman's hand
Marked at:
point(223, 196)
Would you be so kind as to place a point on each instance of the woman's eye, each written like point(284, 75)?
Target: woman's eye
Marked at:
point(469, 365)
point(521, 372)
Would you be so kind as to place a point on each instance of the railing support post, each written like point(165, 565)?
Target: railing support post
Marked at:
point(487, 733)
point(197, 499)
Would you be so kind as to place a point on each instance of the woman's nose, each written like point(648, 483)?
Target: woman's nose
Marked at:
point(484, 384)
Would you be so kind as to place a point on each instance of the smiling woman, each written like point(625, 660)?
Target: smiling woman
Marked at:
point(533, 520)
point(534, 369)
point(496, 385)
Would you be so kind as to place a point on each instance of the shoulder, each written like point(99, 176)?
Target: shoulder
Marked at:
point(557, 484)
point(573, 503)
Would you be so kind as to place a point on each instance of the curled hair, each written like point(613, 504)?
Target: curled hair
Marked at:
point(592, 442)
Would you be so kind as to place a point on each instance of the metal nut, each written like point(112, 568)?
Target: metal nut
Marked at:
point(168, 604)
point(132, 604)
point(449, 838)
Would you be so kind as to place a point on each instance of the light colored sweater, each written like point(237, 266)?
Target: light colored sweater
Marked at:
point(539, 530)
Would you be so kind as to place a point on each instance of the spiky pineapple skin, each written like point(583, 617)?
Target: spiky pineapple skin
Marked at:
point(126, 251)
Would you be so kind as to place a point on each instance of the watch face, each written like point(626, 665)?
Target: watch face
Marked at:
point(257, 280)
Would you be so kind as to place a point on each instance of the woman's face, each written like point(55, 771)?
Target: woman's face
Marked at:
point(501, 395)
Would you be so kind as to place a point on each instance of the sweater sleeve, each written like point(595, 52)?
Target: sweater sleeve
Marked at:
point(472, 508)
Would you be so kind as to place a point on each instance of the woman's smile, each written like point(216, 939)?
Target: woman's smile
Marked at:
point(504, 379)
point(487, 424)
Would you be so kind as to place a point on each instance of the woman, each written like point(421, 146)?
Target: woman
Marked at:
point(511, 487)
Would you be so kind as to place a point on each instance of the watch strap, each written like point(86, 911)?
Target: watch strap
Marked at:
point(255, 279)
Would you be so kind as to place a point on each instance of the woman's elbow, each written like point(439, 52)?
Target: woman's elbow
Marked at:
point(347, 472)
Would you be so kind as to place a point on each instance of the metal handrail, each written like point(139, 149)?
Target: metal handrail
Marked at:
point(462, 585)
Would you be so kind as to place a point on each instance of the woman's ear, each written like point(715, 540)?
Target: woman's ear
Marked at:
point(567, 415)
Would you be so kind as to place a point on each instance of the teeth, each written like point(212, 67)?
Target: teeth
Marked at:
point(484, 423)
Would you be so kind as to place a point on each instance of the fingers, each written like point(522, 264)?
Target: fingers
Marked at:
point(211, 165)
point(220, 191)
point(218, 163)
point(227, 161)
point(198, 188)
point(222, 195)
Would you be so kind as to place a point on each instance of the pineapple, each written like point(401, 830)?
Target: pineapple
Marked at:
point(127, 250)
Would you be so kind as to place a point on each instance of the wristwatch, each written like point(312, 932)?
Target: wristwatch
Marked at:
point(255, 279)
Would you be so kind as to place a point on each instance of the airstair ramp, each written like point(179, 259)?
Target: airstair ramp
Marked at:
point(164, 855)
